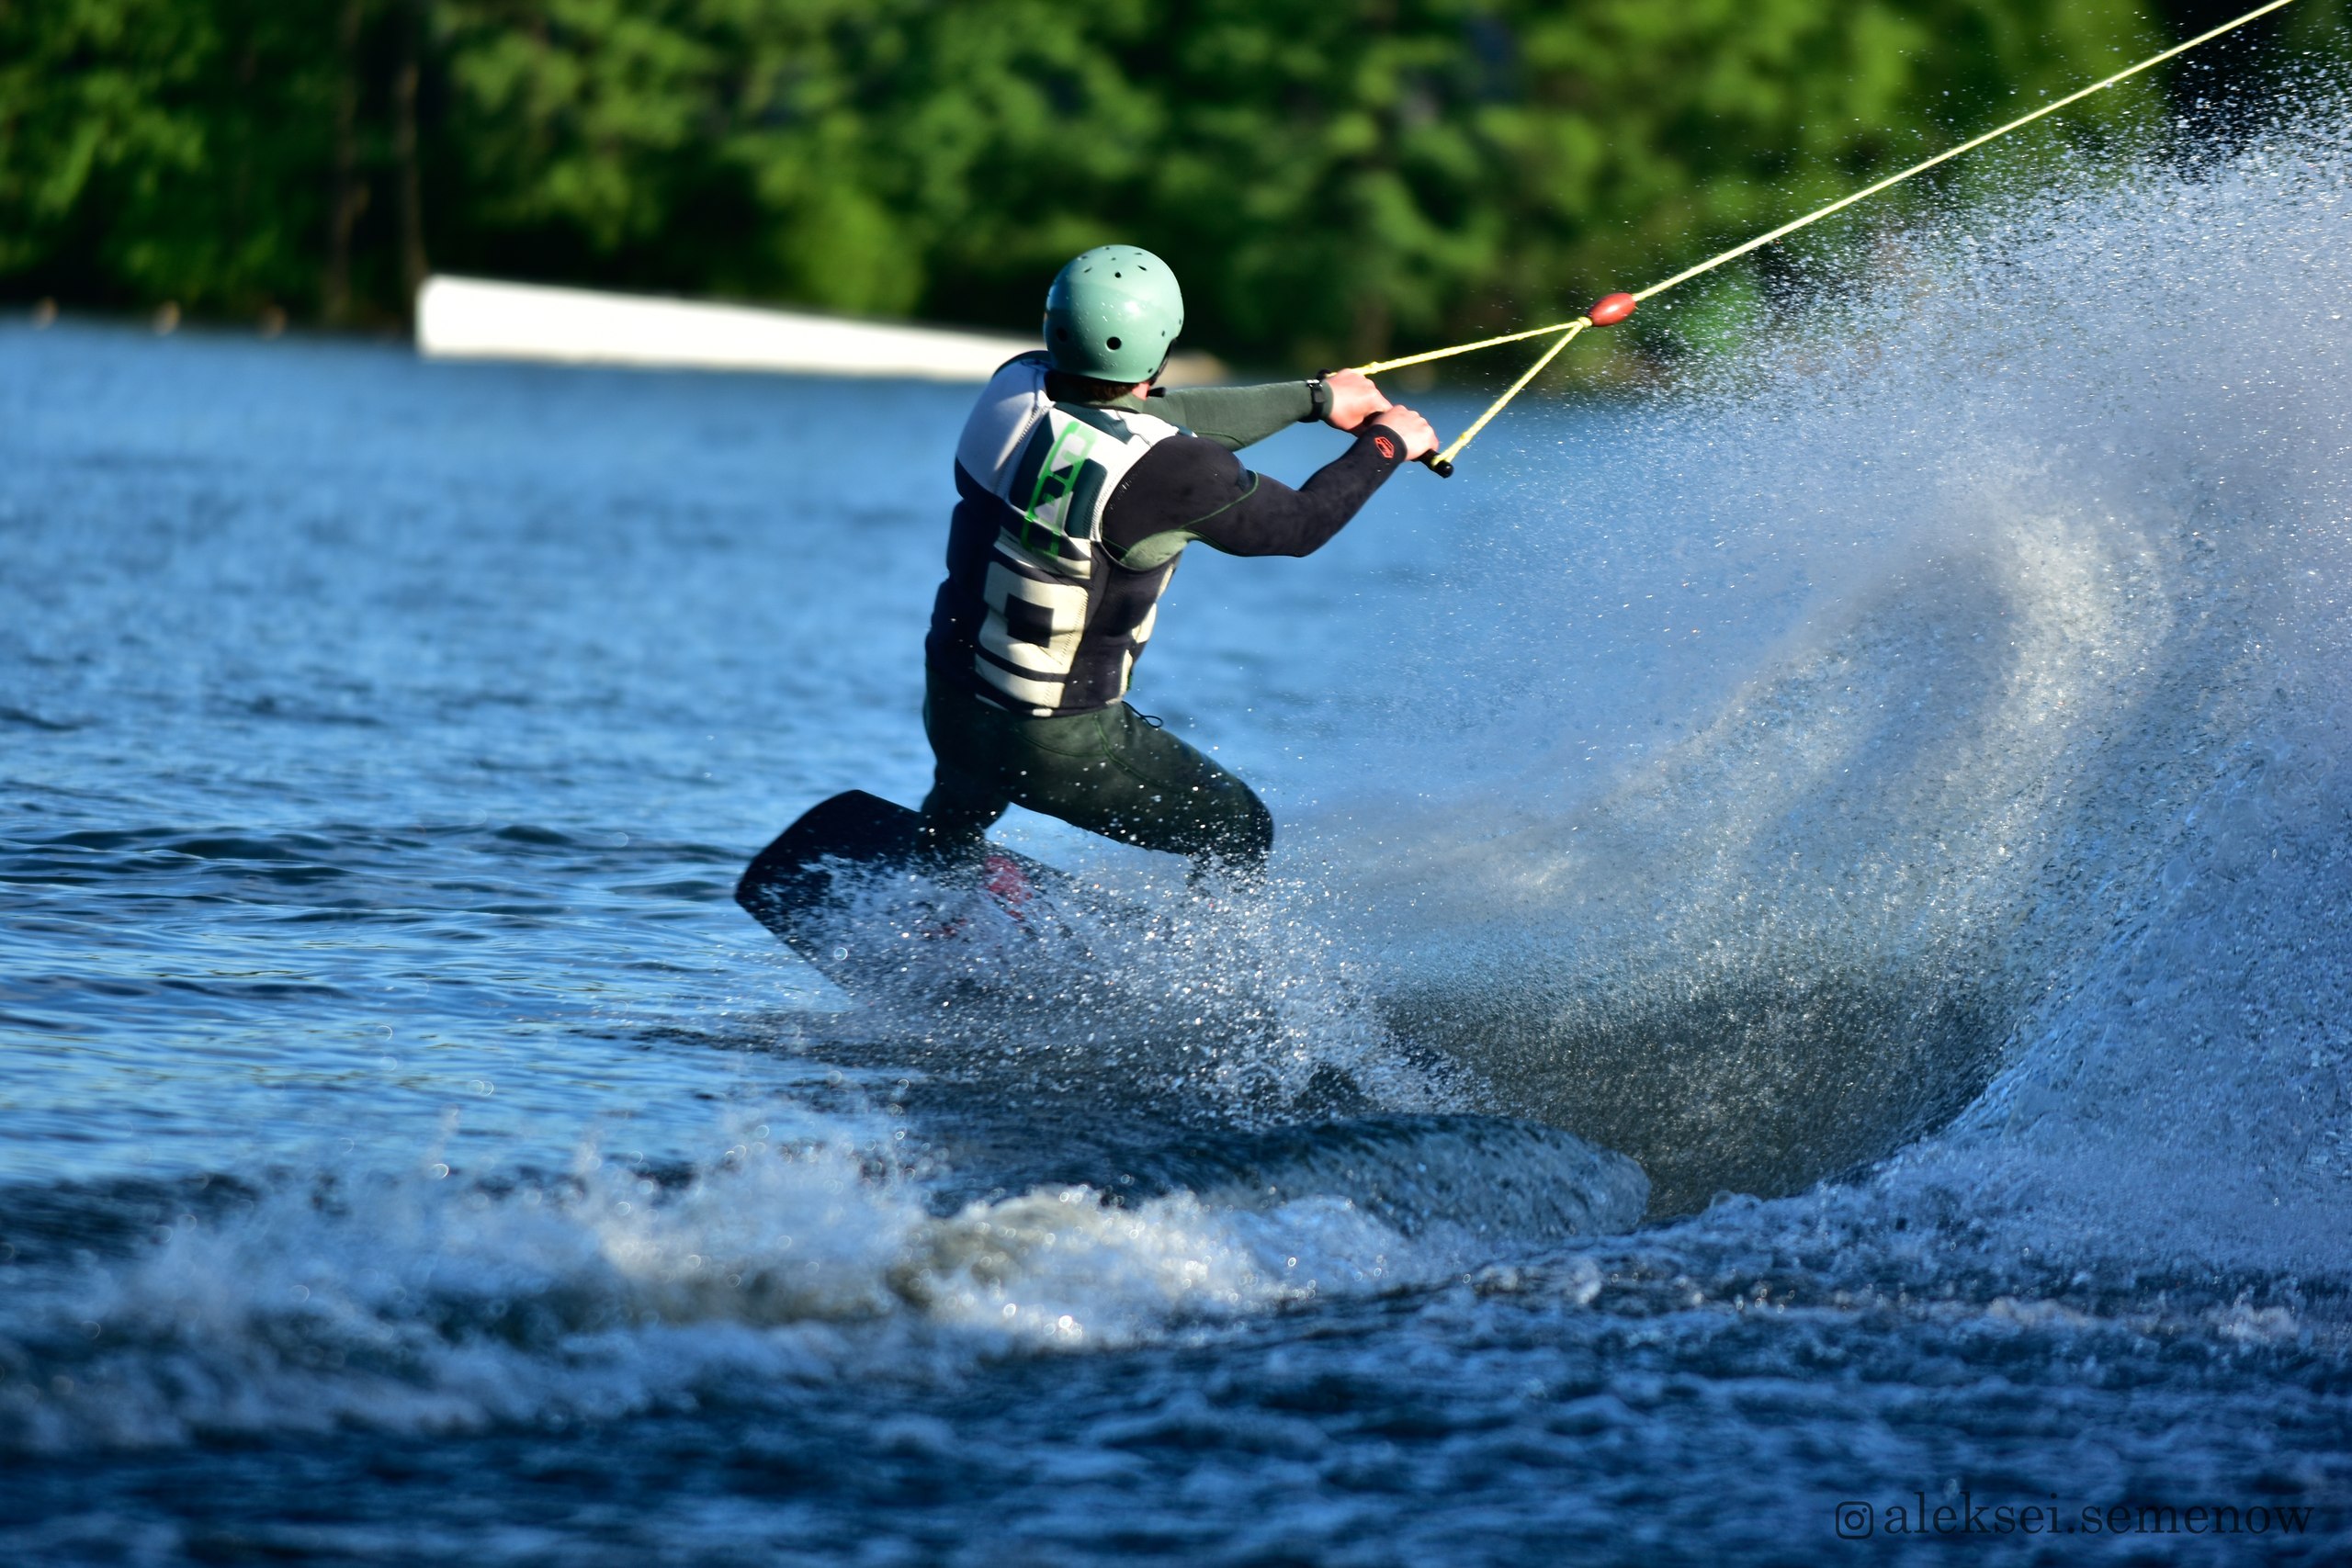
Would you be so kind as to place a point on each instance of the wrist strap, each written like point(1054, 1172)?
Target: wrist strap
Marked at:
point(1318, 394)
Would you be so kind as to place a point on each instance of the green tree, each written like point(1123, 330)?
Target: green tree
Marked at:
point(1334, 178)
point(823, 150)
point(156, 149)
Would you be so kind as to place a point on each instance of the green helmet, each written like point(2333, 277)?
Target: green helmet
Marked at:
point(1112, 313)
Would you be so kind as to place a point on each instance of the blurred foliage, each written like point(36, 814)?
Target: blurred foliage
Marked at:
point(145, 150)
point(1333, 179)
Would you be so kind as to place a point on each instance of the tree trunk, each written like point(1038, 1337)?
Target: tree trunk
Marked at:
point(343, 210)
point(413, 266)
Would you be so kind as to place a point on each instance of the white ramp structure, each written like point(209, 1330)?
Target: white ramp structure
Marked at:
point(473, 318)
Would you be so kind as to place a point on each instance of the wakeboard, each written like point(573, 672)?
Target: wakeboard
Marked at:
point(852, 888)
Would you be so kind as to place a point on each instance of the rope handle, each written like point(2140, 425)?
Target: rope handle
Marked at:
point(1434, 463)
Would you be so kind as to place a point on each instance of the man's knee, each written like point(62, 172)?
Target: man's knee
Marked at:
point(1253, 832)
point(1237, 831)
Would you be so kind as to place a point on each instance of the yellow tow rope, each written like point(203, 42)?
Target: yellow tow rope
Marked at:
point(1615, 308)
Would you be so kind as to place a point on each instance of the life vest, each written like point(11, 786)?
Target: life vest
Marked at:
point(1037, 615)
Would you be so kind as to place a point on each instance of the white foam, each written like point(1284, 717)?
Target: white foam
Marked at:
point(417, 1303)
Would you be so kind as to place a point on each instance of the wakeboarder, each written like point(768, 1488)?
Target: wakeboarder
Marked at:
point(1080, 480)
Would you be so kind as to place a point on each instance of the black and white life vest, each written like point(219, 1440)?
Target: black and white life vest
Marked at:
point(1037, 615)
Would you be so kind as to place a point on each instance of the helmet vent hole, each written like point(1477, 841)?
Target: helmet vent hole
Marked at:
point(1111, 343)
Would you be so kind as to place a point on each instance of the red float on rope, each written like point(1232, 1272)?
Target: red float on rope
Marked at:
point(1612, 309)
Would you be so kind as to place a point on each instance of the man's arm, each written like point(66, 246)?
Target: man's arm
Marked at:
point(1235, 417)
point(1188, 489)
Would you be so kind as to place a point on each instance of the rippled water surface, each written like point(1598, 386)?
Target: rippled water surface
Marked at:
point(1891, 787)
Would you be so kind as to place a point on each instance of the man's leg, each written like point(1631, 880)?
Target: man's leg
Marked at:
point(1111, 771)
point(959, 810)
point(1116, 774)
point(963, 803)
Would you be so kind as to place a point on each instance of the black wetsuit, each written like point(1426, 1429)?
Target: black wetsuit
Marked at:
point(1070, 746)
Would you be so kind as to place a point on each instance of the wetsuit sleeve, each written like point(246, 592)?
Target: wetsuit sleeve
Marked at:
point(1187, 489)
point(1234, 417)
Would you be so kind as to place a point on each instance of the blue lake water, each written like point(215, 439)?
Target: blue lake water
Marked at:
point(1894, 786)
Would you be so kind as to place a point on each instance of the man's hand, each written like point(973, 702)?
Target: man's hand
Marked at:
point(1420, 439)
point(1353, 399)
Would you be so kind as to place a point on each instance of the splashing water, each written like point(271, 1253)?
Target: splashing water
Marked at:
point(1980, 644)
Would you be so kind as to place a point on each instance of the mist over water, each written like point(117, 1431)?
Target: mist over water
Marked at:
point(1889, 782)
